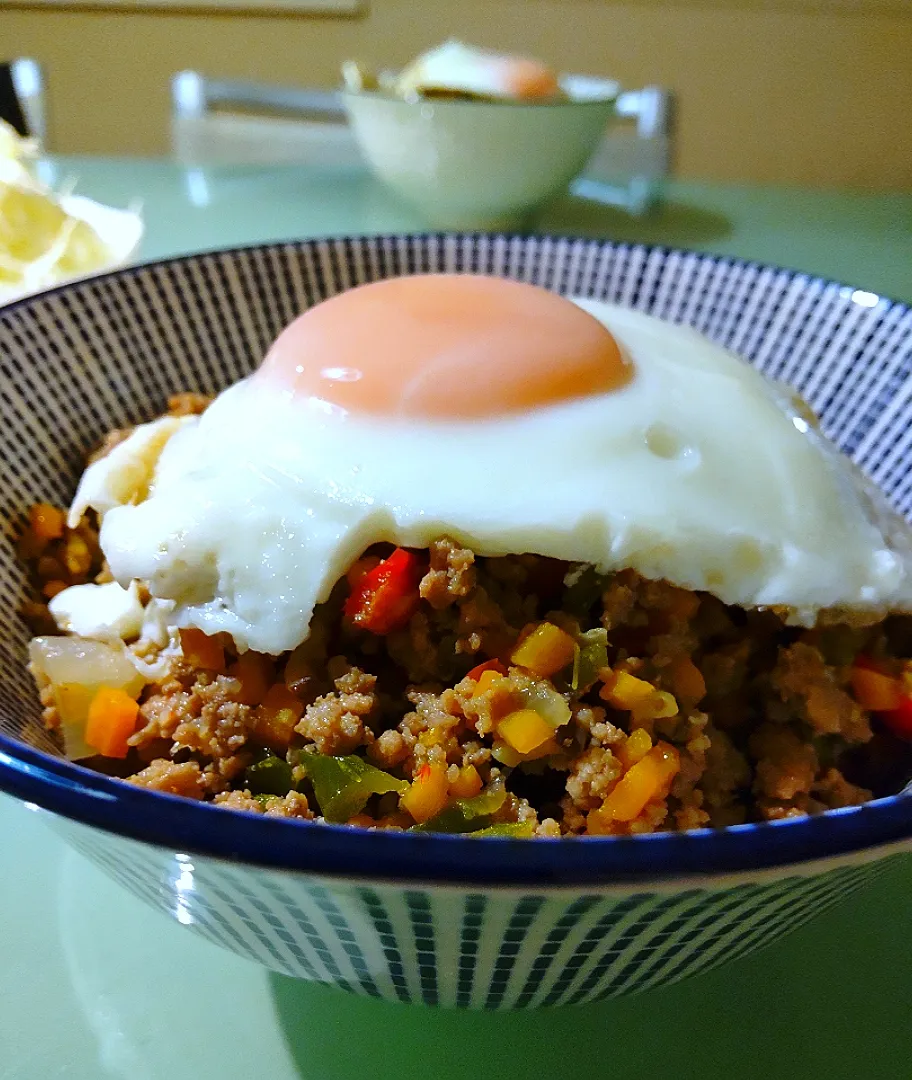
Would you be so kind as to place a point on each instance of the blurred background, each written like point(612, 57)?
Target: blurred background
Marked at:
point(808, 92)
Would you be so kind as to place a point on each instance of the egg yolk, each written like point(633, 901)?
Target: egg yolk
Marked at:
point(526, 80)
point(499, 76)
point(445, 346)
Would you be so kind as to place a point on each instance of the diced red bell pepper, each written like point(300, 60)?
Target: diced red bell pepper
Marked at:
point(899, 720)
point(488, 665)
point(386, 596)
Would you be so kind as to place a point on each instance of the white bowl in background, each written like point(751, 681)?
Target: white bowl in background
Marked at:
point(478, 164)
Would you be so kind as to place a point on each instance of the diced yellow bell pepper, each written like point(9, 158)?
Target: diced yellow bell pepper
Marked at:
point(427, 794)
point(545, 651)
point(636, 746)
point(661, 704)
point(626, 691)
point(525, 730)
point(467, 784)
point(649, 779)
point(486, 681)
point(506, 755)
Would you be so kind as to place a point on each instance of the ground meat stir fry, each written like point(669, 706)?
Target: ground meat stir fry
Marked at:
point(516, 695)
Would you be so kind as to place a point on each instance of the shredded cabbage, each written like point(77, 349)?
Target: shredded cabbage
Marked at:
point(40, 243)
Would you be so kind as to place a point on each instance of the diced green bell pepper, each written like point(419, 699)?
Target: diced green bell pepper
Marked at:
point(507, 828)
point(269, 776)
point(343, 785)
point(586, 588)
point(466, 815)
point(593, 656)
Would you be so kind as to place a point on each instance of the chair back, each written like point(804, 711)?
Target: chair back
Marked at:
point(233, 121)
point(22, 97)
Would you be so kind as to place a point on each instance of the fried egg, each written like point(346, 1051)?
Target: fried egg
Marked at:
point(512, 420)
point(460, 69)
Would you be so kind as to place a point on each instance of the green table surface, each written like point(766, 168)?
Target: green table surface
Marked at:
point(95, 985)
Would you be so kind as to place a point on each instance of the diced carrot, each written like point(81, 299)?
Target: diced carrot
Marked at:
point(276, 717)
point(202, 651)
point(51, 588)
point(255, 671)
point(683, 605)
point(488, 665)
point(875, 690)
point(545, 651)
point(111, 721)
point(363, 821)
point(278, 696)
point(299, 672)
point(427, 794)
point(636, 746)
point(47, 522)
point(525, 730)
point(50, 569)
point(687, 680)
point(467, 783)
point(647, 780)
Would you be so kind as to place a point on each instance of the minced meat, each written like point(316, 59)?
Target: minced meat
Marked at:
point(741, 717)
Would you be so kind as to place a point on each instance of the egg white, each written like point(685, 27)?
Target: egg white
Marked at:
point(695, 472)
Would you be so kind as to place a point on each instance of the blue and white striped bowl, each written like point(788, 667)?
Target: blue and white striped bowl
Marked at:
point(489, 923)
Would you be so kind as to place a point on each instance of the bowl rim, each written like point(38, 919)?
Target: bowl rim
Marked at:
point(605, 104)
point(179, 824)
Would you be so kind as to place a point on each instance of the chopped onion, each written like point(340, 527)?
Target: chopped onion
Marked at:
point(76, 668)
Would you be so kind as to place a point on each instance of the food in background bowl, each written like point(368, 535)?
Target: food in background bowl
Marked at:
point(463, 555)
point(457, 70)
point(46, 237)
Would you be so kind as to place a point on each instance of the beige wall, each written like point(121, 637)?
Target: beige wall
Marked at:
point(769, 91)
